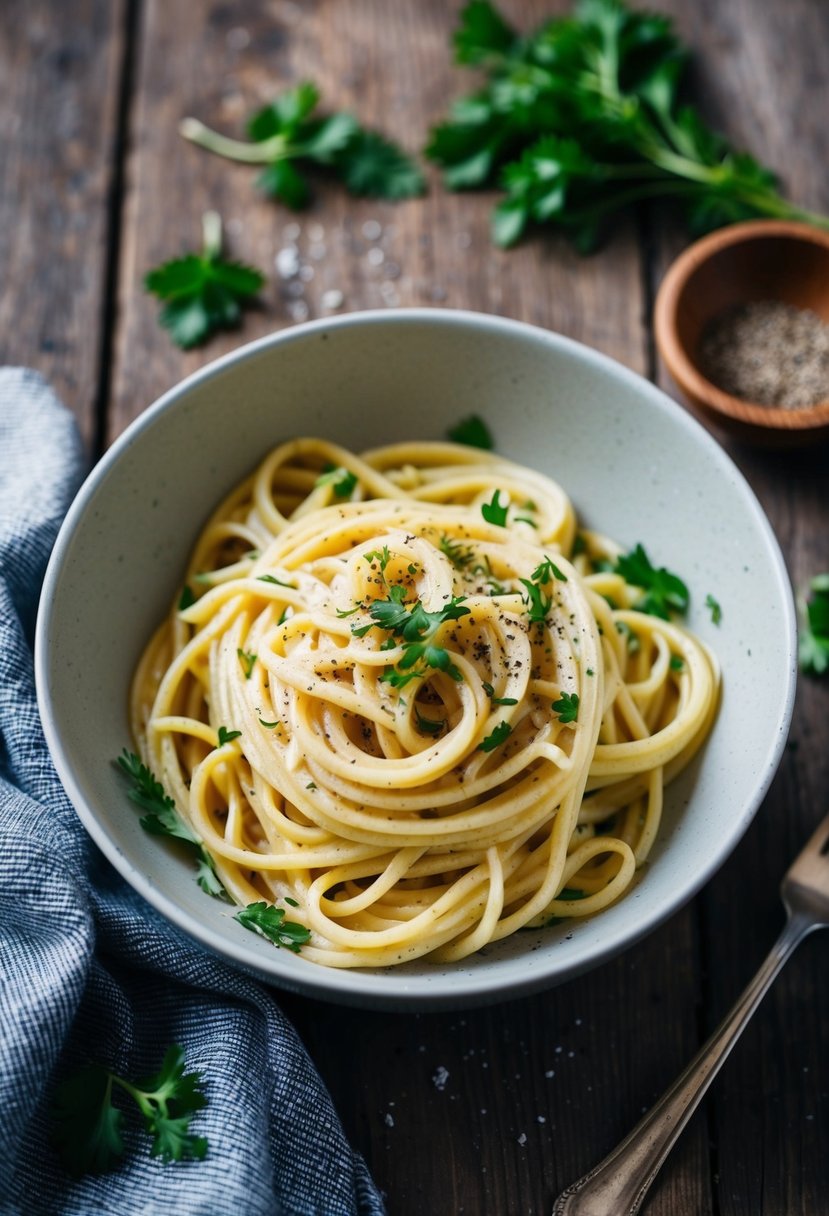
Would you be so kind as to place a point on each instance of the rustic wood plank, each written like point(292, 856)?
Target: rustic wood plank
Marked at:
point(390, 65)
point(60, 73)
point(760, 72)
point(478, 1144)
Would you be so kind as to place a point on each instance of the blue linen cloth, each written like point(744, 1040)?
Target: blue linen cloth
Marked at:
point(90, 972)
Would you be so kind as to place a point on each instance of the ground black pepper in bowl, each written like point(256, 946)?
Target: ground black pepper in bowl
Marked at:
point(768, 352)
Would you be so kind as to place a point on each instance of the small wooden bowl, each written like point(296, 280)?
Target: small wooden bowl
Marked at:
point(741, 264)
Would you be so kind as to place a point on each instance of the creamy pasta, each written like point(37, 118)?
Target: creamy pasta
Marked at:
point(413, 701)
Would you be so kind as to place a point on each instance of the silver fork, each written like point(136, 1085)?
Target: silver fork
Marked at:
point(618, 1185)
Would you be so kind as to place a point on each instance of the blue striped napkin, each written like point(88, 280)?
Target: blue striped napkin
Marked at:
point(89, 972)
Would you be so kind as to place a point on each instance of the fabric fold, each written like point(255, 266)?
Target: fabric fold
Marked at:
point(90, 972)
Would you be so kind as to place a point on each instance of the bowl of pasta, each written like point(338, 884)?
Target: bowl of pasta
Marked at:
point(416, 659)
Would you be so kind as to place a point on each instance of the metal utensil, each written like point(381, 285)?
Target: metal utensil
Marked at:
point(618, 1185)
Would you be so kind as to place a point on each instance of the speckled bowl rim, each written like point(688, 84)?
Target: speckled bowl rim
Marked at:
point(454, 988)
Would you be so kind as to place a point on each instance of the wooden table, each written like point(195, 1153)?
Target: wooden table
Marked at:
point(96, 186)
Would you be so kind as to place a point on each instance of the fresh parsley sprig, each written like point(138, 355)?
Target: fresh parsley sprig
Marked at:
point(287, 137)
point(162, 818)
point(413, 627)
point(582, 118)
point(89, 1126)
point(269, 921)
point(664, 592)
point(202, 292)
point(342, 481)
point(813, 645)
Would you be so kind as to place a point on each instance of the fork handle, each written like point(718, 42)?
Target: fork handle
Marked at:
point(618, 1185)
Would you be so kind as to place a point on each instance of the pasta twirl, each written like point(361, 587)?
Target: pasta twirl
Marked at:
point(410, 700)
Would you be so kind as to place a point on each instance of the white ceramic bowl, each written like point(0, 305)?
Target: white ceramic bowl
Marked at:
point(637, 467)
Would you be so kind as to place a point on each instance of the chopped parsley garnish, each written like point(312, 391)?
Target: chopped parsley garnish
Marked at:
point(271, 578)
point(571, 893)
point(633, 643)
point(162, 818)
point(473, 432)
point(677, 662)
point(567, 707)
point(490, 692)
point(813, 646)
point(342, 481)
point(429, 726)
point(312, 785)
point(227, 736)
point(413, 628)
point(457, 554)
point(89, 1126)
point(202, 292)
point(498, 736)
point(546, 572)
point(187, 599)
point(379, 555)
point(714, 608)
point(247, 658)
point(270, 922)
point(494, 512)
point(538, 603)
point(287, 139)
point(269, 725)
point(664, 592)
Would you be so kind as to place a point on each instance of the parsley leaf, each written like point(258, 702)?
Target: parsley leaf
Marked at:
point(202, 292)
point(495, 512)
point(342, 481)
point(414, 628)
point(429, 726)
point(714, 608)
point(547, 571)
point(247, 658)
point(813, 647)
point(162, 818)
point(88, 1126)
point(457, 554)
point(473, 432)
point(269, 921)
point(539, 604)
point(567, 707)
point(664, 592)
point(490, 692)
point(227, 736)
point(288, 137)
point(499, 735)
point(187, 598)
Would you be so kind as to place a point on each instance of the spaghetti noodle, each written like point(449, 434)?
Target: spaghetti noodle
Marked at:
point(408, 698)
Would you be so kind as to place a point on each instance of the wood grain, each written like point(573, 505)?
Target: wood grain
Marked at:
point(761, 72)
point(60, 71)
point(493, 1110)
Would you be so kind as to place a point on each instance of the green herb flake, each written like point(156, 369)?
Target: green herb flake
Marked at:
point(714, 608)
point(162, 819)
point(278, 582)
point(269, 725)
point(490, 692)
point(473, 432)
point(187, 598)
point(495, 512)
point(247, 658)
point(269, 922)
point(567, 707)
point(498, 736)
point(664, 592)
point(677, 663)
point(227, 736)
point(813, 644)
point(342, 481)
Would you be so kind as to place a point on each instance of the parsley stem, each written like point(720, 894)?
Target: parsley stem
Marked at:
point(211, 226)
point(260, 153)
